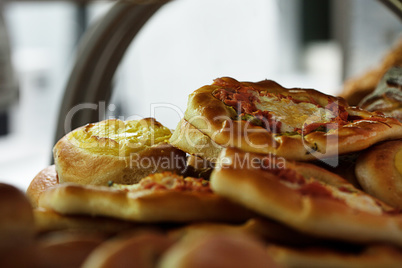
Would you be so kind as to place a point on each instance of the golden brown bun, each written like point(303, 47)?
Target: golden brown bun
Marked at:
point(42, 181)
point(217, 250)
point(65, 249)
point(19, 257)
point(263, 228)
point(140, 251)
point(85, 157)
point(372, 256)
point(16, 220)
point(355, 89)
point(317, 202)
point(290, 248)
point(17, 229)
point(191, 140)
point(47, 221)
point(217, 120)
point(379, 171)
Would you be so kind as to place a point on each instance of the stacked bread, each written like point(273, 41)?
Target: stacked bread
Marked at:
point(251, 177)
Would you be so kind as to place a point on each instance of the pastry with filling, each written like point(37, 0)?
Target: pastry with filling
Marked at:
point(305, 197)
point(118, 151)
point(295, 123)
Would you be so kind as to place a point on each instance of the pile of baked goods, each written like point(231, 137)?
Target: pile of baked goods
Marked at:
point(254, 175)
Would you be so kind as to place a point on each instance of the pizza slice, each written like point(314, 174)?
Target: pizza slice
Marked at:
point(299, 124)
point(160, 197)
point(305, 197)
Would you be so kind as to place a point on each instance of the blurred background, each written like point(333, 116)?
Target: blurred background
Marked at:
point(186, 44)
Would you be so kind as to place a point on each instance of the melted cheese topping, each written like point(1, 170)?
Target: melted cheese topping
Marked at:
point(293, 115)
point(358, 201)
point(353, 199)
point(398, 161)
point(120, 138)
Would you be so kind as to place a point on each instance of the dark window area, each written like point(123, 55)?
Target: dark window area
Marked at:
point(315, 20)
point(3, 123)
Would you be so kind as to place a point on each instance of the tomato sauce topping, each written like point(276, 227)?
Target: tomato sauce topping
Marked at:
point(174, 182)
point(305, 187)
point(315, 189)
point(243, 98)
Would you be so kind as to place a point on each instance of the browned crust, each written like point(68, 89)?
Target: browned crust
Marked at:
point(191, 140)
point(66, 249)
point(16, 218)
point(143, 206)
point(141, 250)
point(212, 117)
point(77, 165)
point(377, 174)
point(45, 179)
point(216, 250)
point(262, 228)
point(48, 220)
point(372, 256)
point(327, 217)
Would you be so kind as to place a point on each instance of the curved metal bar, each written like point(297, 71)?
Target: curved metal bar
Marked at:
point(99, 54)
point(101, 51)
point(394, 5)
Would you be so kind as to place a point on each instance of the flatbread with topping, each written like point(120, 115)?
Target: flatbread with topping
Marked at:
point(299, 124)
point(160, 197)
point(304, 197)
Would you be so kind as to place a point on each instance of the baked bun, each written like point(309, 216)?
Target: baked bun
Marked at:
point(387, 97)
point(140, 251)
point(66, 249)
point(17, 229)
point(370, 256)
point(16, 217)
point(217, 250)
point(115, 150)
point(356, 88)
point(45, 179)
point(379, 171)
point(263, 228)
